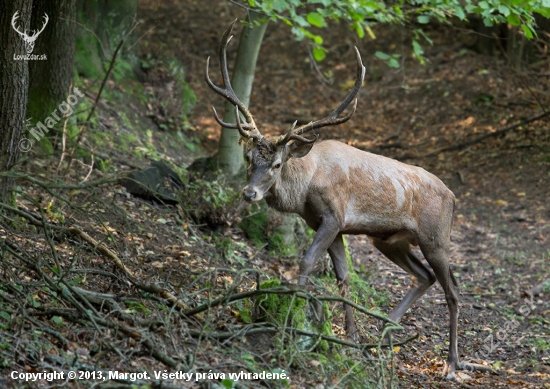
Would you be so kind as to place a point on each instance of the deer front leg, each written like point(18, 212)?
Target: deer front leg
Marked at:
point(326, 233)
point(337, 253)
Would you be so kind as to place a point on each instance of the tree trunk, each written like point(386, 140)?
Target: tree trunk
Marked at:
point(14, 84)
point(230, 153)
point(51, 79)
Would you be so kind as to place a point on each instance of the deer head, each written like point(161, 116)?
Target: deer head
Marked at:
point(267, 157)
point(29, 40)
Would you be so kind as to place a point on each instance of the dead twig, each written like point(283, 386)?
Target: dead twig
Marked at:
point(83, 127)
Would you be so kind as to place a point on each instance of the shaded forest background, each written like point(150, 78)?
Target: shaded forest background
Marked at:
point(124, 247)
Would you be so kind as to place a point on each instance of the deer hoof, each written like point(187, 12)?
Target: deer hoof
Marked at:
point(450, 371)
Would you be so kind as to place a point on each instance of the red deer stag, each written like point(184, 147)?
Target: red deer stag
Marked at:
point(338, 189)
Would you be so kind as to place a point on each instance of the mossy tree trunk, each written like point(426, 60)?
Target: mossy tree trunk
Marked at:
point(14, 84)
point(230, 153)
point(51, 79)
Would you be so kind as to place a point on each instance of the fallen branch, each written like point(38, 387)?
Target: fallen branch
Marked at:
point(483, 137)
point(283, 291)
point(74, 316)
point(474, 367)
point(273, 330)
point(536, 290)
point(151, 288)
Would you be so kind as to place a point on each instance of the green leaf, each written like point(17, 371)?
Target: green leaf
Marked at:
point(527, 31)
point(513, 19)
point(382, 56)
point(228, 384)
point(300, 21)
point(459, 12)
point(483, 5)
point(316, 19)
point(57, 320)
point(504, 10)
point(6, 316)
point(417, 48)
point(423, 19)
point(319, 54)
point(359, 30)
point(488, 22)
point(392, 63)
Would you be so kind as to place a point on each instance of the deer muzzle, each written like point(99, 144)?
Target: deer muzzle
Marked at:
point(250, 195)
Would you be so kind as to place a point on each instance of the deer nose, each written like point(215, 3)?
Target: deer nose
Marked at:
point(249, 195)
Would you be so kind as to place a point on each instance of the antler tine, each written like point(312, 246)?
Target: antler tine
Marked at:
point(333, 118)
point(227, 90)
point(13, 19)
point(254, 134)
point(291, 135)
point(43, 26)
point(230, 125)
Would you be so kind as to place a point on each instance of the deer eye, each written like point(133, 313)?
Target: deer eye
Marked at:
point(277, 166)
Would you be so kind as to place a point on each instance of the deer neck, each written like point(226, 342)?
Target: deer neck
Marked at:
point(289, 193)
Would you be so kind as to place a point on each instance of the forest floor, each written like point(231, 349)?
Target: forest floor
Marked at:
point(500, 238)
point(501, 234)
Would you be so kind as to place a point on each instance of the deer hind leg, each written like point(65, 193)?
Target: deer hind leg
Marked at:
point(400, 253)
point(437, 256)
point(337, 253)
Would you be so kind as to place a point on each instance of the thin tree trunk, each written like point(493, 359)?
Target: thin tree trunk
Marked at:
point(14, 84)
point(230, 153)
point(50, 79)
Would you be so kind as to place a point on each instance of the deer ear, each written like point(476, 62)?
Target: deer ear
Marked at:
point(299, 149)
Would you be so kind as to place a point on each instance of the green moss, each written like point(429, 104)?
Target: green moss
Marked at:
point(360, 289)
point(325, 328)
point(245, 315)
point(278, 246)
point(87, 59)
point(283, 309)
point(254, 227)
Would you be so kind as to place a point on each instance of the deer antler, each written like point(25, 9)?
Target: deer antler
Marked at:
point(247, 129)
point(333, 118)
point(35, 35)
point(291, 135)
point(13, 19)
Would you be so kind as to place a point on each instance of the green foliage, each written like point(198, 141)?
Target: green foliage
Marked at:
point(174, 68)
point(256, 228)
point(225, 247)
point(121, 69)
point(362, 290)
point(189, 98)
point(286, 310)
point(305, 17)
point(209, 201)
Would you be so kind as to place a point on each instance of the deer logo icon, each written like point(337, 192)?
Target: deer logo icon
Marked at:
point(29, 40)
